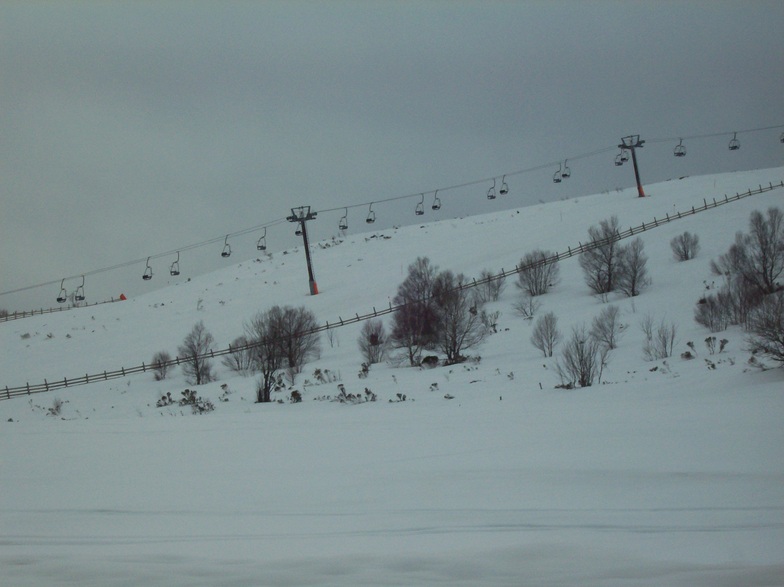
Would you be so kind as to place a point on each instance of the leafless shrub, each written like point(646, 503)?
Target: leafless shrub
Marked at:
point(373, 341)
point(537, 276)
point(160, 365)
point(196, 366)
point(527, 306)
point(240, 359)
point(766, 327)
point(659, 340)
point(546, 334)
point(582, 359)
point(713, 312)
point(632, 274)
point(415, 323)
point(606, 327)
point(489, 289)
point(685, 246)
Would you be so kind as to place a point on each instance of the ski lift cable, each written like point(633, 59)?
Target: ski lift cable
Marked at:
point(256, 228)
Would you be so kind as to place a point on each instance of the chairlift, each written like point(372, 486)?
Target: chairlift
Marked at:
point(62, 297)
point(680, 150)
point(226, 252)
point(298, 232)
point(261, 245)
point(343, 223)
point(436, 201)
point(619, 160)
point(491, 191)
point(420, 208)
point(734, 143)
point(147, 271)
point(174, 270)
point(557, 175)
point(79, 293)
point(781, 138)
point(504, 188)
point(371, 217)
point(566, 173)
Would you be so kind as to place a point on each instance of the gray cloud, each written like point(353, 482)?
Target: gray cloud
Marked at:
point(130, 129)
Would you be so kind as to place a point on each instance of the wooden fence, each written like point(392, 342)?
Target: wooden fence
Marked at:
point(19, 315)
point(27, 389)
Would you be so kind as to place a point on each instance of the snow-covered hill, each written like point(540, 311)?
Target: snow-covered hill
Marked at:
point(669, 473)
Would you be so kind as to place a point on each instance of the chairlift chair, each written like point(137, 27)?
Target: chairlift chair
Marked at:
point(147, 271)
point(79, 293)
point(680, 150)
point(566, 173)
point(343, 224)
point(781, 138)
point(298, 232)
point(420, 208)
point(371, 217)
point(436, 201)
point(491, 192)
point(226, 252)
point(62, 297)
point(174, 270)
point(619, 159)
point(557, 175)
point(624, 156)
point(504, 188)
point(261, 245)
point(734, 143)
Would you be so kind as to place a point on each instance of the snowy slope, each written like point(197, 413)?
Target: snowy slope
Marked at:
point(670, 473)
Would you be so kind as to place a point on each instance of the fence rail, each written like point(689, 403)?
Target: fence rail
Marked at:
point(28, 314)
point(27, 389)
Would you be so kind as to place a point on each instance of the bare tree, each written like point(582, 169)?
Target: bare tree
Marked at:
point(373, 341)
point(632, 274)
point(685, 246)
point(537, 275)
point(766, 327)
point(298, 342)
point(262, 332)
point(546, 334)
point(196, 366)
point(582, 359)
point(606, 327)
point(415, 324)
point(600, 263)
point(459, 323)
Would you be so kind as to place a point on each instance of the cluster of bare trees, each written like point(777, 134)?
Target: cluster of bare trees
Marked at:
point(752, 294)
point(609, 266)
point(439, 311)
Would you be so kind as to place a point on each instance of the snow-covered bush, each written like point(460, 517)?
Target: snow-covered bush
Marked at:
point(685, 246)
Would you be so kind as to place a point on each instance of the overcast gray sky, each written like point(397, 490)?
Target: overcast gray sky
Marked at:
point(129, 129)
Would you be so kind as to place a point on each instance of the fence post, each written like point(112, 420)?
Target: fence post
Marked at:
point(28, 388)
point(46, 384)
point(7, 393)
point(65, 381)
